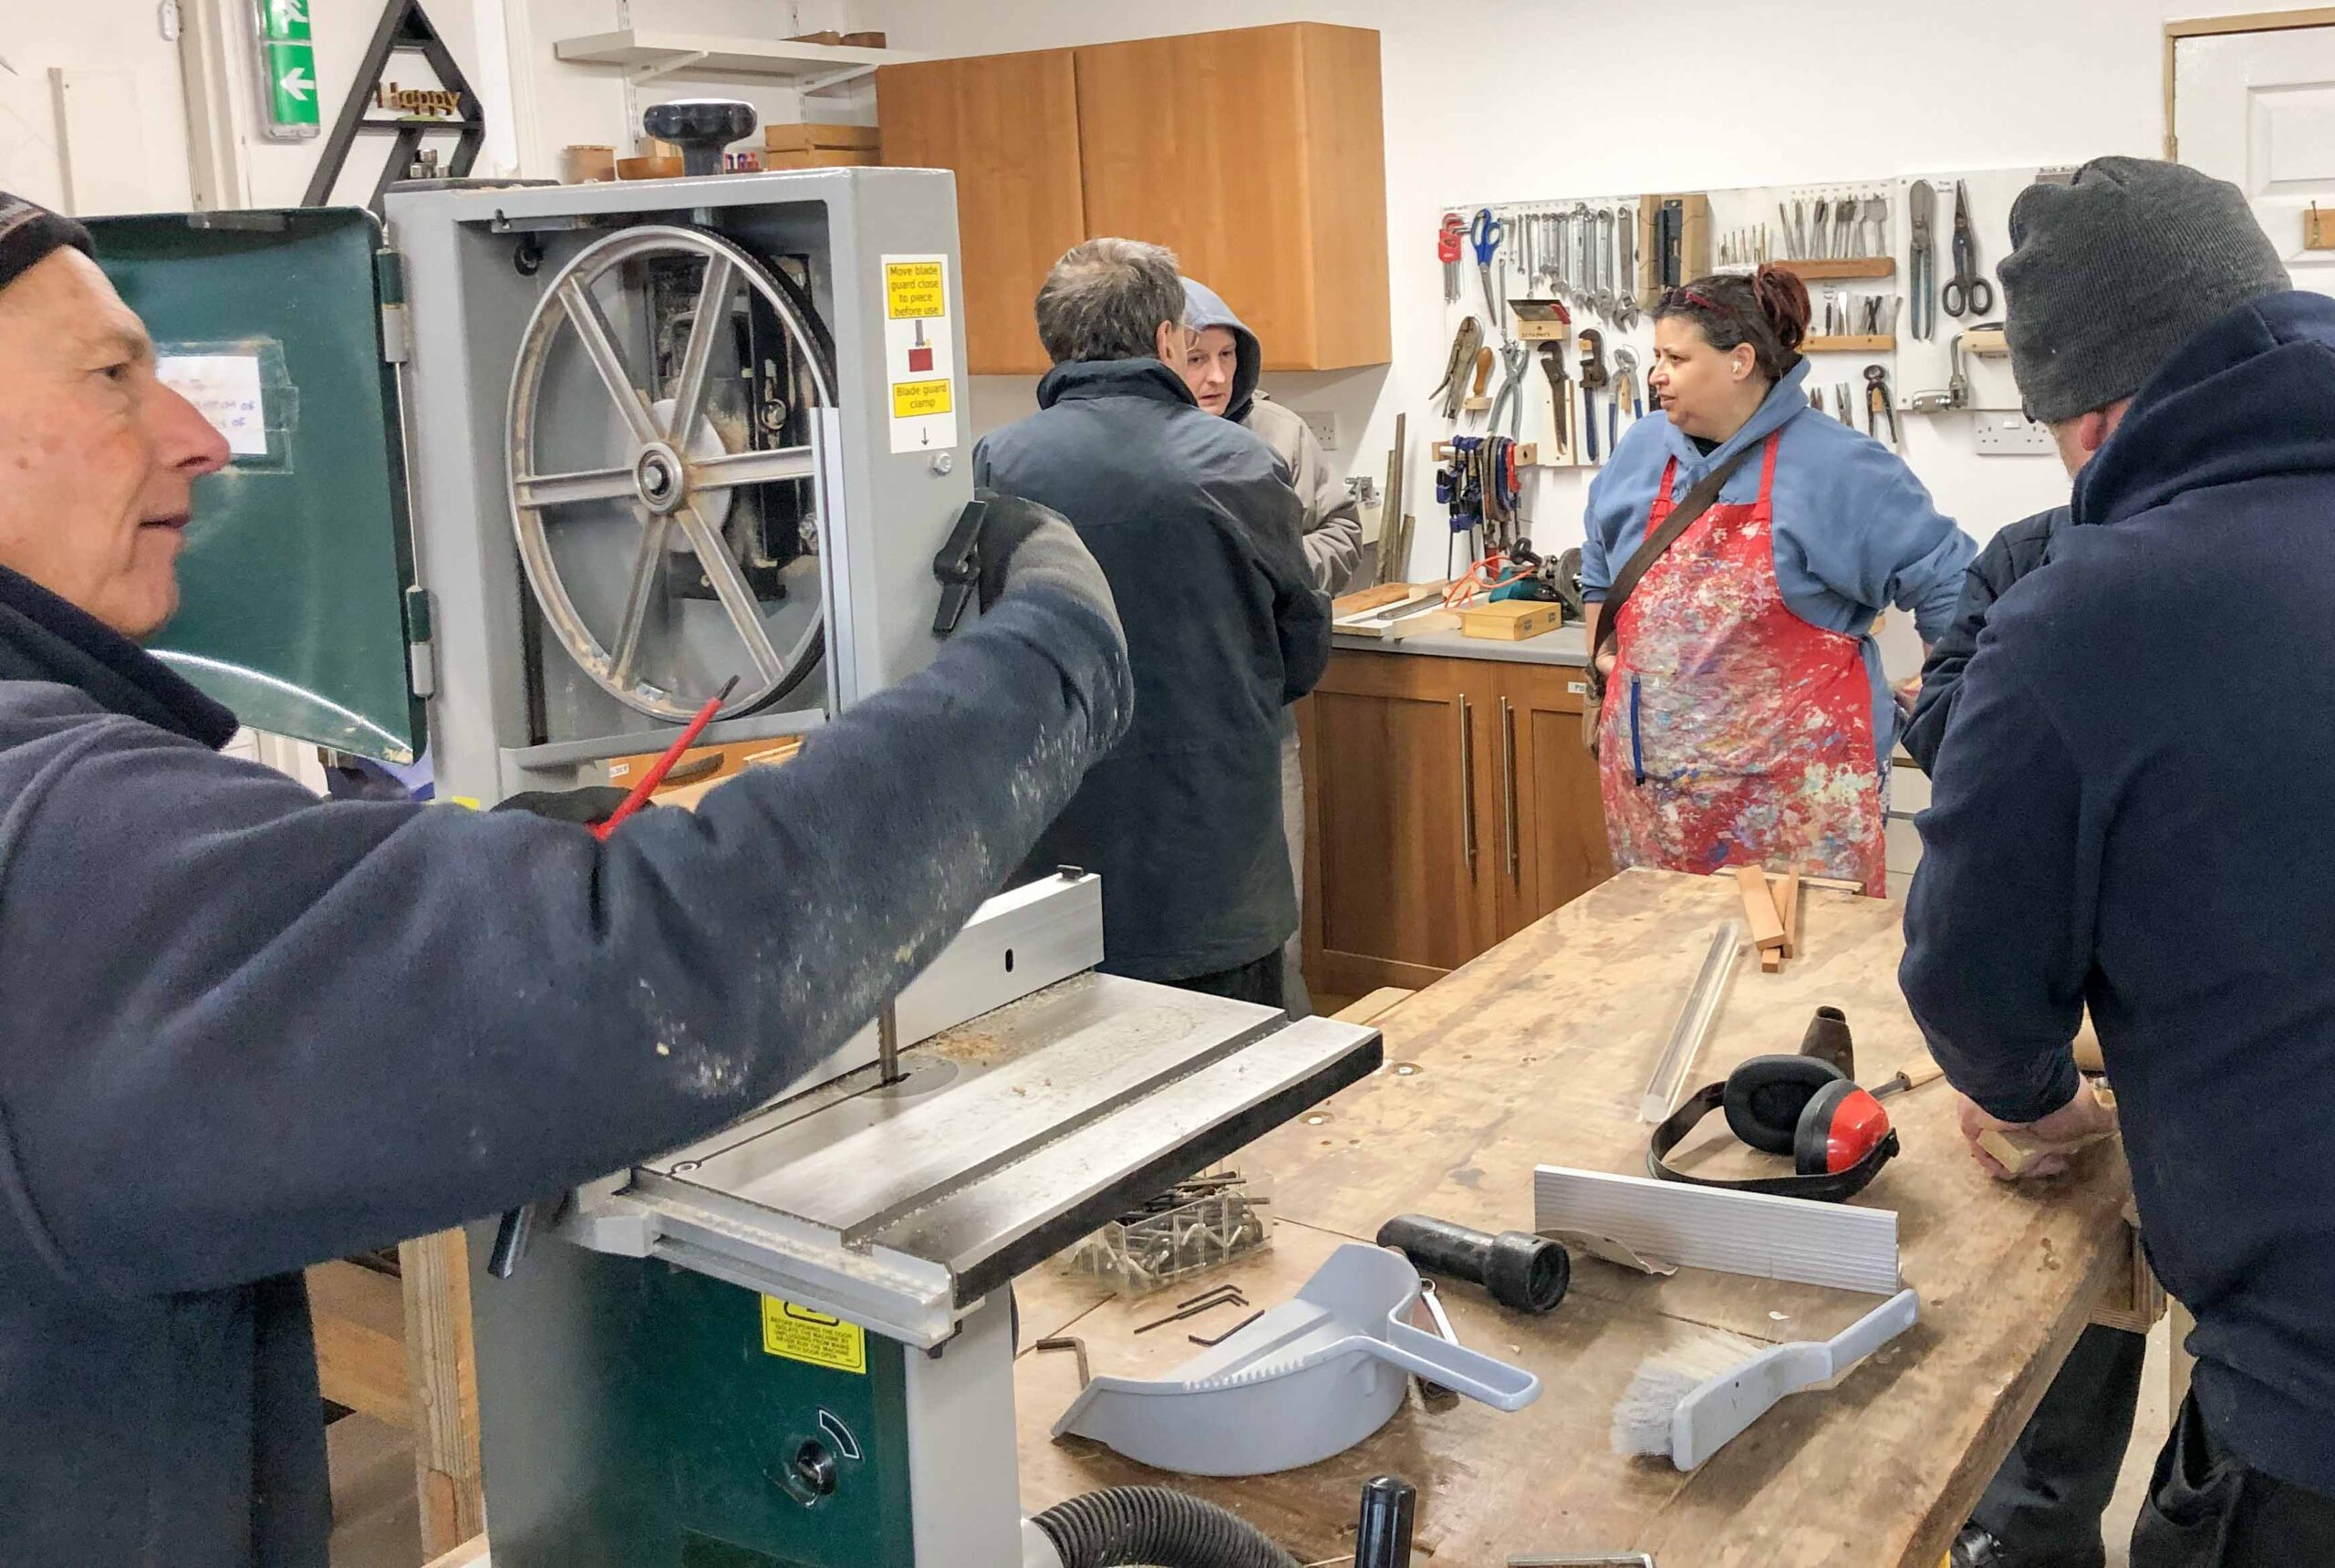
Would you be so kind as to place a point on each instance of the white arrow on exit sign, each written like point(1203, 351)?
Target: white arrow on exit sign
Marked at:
point(296, 82)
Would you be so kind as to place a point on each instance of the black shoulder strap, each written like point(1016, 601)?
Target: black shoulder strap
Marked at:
point(1617, 593)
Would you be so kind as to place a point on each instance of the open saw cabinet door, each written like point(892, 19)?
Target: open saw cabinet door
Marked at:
point(292, 604)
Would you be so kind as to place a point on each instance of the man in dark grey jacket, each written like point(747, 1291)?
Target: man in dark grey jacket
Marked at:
point(243, 1030)
point(1195, 524)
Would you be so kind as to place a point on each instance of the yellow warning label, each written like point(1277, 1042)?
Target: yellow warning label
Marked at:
point(799, 1334)
point(914, 399)
point(914, 288)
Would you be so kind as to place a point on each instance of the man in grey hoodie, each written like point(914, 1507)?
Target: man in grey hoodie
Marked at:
point(1222, 365)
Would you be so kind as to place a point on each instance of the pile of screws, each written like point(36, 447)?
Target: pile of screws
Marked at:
point(1194, 1226)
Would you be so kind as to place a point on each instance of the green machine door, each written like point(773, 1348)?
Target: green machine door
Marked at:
point(294, 578)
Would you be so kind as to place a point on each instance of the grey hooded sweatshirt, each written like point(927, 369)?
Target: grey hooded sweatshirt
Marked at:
point(1332, 528)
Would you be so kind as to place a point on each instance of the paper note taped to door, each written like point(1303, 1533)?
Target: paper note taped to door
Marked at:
point(798, 1334)
point(226, 389)
point(919, 353)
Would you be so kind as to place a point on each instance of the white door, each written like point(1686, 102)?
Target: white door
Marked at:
point(2258, 109)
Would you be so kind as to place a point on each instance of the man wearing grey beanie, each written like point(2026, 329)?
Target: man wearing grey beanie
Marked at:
point(2115, 821)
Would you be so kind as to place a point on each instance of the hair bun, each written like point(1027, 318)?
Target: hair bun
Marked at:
point(1783, 300)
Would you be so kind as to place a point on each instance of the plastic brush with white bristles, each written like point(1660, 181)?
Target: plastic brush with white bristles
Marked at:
point(1693, 1400)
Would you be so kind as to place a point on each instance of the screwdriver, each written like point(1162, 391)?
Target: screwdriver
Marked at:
point(664, 764)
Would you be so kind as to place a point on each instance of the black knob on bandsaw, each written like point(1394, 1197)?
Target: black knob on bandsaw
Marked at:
point(701, 128)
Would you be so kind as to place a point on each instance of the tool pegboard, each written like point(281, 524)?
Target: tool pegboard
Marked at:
point(1859, 269)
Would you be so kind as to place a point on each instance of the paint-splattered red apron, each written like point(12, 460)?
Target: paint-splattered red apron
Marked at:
point(1734, 732)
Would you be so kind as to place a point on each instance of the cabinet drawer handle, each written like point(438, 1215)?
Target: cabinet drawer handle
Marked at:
point(1468, 782)
point(1508, 784)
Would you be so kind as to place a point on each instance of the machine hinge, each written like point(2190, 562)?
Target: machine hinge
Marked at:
point(388, 286)
point(421, 653)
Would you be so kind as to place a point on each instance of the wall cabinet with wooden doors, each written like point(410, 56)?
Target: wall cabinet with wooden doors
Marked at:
point(1008, 125)
point(1449, 803)
point(1258, 155)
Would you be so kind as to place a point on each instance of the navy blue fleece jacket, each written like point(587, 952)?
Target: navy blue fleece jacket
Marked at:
point(243, 1030)
point(2126, 815)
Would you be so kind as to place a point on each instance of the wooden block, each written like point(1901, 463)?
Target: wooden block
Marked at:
point(2015, 1151)
point(1859, 343)
point(1760, 909)
point(2317, 231)
point(581, 165)
point(805, 137)
point(1511, 620)
point(1785, 889)
point(1772, 960)
point(689, 796)
point(823, 158)
point(649, 167)
point(359, 1316)
point(1370, 599)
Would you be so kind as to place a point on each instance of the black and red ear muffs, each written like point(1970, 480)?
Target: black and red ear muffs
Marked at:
point(1837, 1135)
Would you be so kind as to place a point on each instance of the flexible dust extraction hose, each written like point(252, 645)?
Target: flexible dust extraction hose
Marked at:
point(1152, 1525)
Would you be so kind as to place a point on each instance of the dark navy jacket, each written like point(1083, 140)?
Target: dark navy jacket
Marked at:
point(1196, 527)
point(2130, 810)
point(243, 1030)
point(2009, 555)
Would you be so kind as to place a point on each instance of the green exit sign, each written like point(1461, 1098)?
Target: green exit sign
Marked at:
point(287, 60)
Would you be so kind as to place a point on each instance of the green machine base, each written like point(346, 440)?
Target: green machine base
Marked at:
point(700, 1425)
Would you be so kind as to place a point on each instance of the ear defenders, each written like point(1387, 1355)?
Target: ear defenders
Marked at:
point(1837, 1135)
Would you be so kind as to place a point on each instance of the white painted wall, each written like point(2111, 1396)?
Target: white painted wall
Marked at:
point(101, 36)
point(1521, 99)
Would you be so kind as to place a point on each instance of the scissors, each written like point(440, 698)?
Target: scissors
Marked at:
point(1486, 235)
point(1966, 287)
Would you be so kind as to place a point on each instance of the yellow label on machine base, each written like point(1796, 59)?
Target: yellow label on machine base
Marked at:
point(798, 1334)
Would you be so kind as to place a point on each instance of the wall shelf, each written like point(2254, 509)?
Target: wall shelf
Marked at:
point(1882, 344)
point(645, 54)
point(1846, 267)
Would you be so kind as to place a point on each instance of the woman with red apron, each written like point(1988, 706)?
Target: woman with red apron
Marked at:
point(1746, 720)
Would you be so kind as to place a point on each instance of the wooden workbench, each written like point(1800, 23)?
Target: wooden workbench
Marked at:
point(1538, 1051)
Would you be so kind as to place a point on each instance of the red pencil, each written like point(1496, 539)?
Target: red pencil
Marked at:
point(664, 764)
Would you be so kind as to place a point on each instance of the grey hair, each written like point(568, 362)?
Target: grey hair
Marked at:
point(1105, 299)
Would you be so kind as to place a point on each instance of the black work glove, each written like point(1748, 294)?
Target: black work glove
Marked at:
point(585, 807)
point(1023, 545)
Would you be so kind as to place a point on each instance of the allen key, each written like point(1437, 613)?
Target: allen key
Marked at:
point(1229, 1333)
point(1204, 1303)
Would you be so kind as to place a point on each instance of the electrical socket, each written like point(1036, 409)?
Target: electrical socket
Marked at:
point(2012, 435)
point(1325, 427)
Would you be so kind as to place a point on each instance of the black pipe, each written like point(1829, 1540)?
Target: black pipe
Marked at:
point(1520, 1270)
point(1124, 1525)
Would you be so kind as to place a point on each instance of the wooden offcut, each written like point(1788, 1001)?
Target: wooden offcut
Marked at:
point(806, 137)
point(1785, 889)
point(1760, 909)
point(360, 1320)
point(1511, 620)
